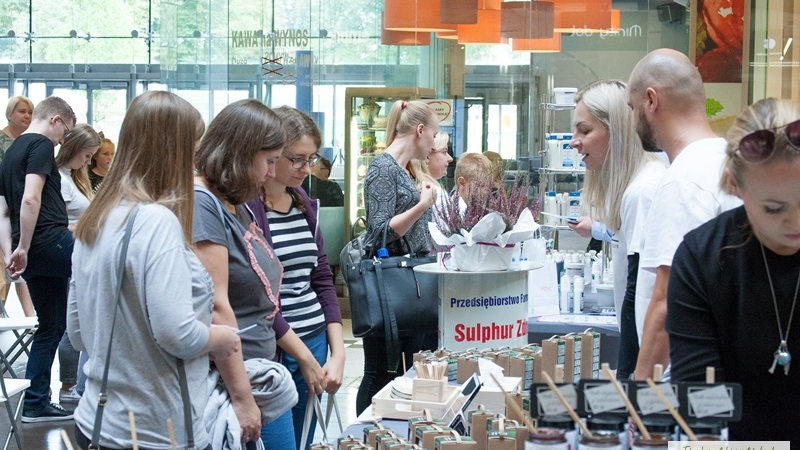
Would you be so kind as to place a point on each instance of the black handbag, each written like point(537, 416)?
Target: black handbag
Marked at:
point(388, 298)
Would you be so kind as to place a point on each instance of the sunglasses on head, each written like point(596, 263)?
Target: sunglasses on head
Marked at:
point(759, 145)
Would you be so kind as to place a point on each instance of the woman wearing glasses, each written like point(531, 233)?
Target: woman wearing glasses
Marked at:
point(290, 220)
point(734, 283)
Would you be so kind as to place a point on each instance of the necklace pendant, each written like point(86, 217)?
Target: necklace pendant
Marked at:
point(782, 358)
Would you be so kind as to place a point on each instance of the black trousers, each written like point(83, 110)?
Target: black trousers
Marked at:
point(376, 366)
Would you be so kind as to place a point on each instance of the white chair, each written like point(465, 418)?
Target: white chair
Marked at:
point(22, 328)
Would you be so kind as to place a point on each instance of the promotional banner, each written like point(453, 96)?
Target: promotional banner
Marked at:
point(483, 309)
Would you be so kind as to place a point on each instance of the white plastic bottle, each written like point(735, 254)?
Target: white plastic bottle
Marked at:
point(550, 207)
point(567, 152)
point(553, 152)
point(574, 205)
point(596, 276)
point(578, 295)
point(565, 295)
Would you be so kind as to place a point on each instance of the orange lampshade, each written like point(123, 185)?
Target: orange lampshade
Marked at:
point(582, 15)
point(527, 20)
point(548, 45)
point(459, 11)
point(391, 37)
point(616, 21)
point(486, 31)
point(447, 34)
point(414, 15)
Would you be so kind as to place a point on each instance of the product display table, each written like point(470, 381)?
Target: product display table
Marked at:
point(482, 309)
point(541, 328)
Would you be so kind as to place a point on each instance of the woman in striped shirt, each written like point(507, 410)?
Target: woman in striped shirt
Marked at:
point(289, 219)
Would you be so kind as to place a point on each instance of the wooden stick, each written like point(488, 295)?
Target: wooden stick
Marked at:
point(565, 404)
point(658, 372)
point(672, 411)
point(603, 368)
point(628, 404)
point(517, 410)
point(403, 357)
point(171, 430)
point(134, 440)
point(711, 375)
point(65, 438)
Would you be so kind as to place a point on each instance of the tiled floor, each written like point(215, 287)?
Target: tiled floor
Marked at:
point(47, 436)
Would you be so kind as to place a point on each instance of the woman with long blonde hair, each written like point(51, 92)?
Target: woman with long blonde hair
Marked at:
point(621, 179)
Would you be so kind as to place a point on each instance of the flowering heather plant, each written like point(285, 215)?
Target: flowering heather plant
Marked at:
point(482, 201)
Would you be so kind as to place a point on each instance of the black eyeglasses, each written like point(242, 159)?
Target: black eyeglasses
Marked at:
point(759, 145)
point(299, 163)
point(67, 131)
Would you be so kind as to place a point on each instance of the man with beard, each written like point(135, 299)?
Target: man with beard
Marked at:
point(668, 100)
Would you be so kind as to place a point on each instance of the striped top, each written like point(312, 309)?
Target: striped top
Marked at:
point(294, 245)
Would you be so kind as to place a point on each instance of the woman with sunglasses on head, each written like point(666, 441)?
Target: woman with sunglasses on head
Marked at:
point(290, 221)
point(393, 202)
point(734, 283)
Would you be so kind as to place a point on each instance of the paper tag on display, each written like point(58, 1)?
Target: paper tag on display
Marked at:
point(710, 402)
point(603, 398)
point(550, 404)
point(649, 402)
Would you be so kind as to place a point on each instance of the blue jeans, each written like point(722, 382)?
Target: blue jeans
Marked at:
point(81, 385)
point(274, 434)
point(68, 359)
point(47, 274)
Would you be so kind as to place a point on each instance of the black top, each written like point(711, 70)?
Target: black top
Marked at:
point(721, 314)
point(95, 180)
point(33, 154)
point(328, 192)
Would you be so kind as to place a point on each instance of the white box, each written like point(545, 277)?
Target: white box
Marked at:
point(492, 398)
point(564, 95)
point(385, 406)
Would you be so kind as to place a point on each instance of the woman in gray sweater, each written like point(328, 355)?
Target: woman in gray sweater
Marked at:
point(167, 297)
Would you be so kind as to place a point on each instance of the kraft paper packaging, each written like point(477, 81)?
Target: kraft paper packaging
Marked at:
point(590, 358)
point(572, 358)
point(452, 443)
point(498, 440)
point(478, 426)
point(426, 435)
point(553, 351)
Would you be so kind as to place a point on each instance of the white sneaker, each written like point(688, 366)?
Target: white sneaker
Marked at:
point(70, 396)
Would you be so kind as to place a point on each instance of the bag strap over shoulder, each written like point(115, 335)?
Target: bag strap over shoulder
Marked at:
point(102, 397)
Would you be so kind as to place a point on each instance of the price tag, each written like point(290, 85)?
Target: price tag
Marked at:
point(603, 398)
point(649, 402)
point(710, 402)
point(550, 404)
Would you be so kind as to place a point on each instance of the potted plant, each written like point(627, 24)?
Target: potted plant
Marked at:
point(482, 232)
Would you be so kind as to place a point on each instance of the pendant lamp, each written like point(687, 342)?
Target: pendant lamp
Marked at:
point(391, 37)
point(459, 11)
point(527, 20)
point(582, 15)
point(447, 35)
point(487, 29)
point(414, 15)
point(547, 45)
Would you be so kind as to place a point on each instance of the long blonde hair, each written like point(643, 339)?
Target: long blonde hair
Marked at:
point(403, 119)
point(607, 101)
point(153, 162)
point(82, 137)
point(766, 114)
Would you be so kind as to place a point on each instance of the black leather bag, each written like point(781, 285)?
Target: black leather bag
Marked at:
point(388, 298)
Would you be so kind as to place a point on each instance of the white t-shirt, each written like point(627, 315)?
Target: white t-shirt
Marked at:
point(687, 197)
point(73, 197)
point(629, 239)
